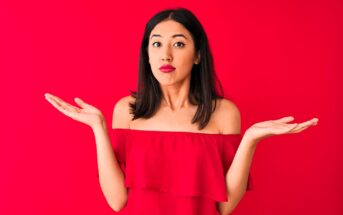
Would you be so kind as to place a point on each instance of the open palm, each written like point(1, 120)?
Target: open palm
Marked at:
point(265, 129)
point(87, 114)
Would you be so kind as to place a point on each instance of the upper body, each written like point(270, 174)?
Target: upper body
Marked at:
point(224, 120)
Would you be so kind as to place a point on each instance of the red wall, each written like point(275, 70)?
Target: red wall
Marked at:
point(274, 59)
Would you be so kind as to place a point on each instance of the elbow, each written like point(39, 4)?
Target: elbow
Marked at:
point(116, 197)
point(227, 212)
point(117, 208)
point(118, 202)
point(118, 205)
point(226, 208)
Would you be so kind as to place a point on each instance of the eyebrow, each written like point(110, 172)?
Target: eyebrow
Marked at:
point(175, 35)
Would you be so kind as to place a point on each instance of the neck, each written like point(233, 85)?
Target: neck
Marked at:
point(175, 97)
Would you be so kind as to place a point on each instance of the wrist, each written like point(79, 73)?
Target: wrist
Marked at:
point(101, 124)
point(250, 142)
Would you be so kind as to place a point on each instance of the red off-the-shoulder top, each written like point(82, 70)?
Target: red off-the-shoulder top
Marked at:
point(174, 172)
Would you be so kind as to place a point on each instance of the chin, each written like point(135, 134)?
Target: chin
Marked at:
point(166, 84)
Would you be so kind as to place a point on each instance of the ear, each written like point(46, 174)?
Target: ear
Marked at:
point(197, 60)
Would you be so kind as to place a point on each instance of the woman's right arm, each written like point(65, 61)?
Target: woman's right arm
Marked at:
point(111, 177)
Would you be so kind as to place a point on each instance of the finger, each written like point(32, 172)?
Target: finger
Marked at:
point(299, 130)
point(315, 120)
point(58, 106)
point(304, 125)
point(285, 119)
point(292, 126)
point(64, 104)
point(82, 103)
point(283, 128)
point(309, 122)
point(68, 111)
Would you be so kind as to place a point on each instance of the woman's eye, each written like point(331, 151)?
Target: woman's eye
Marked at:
point(156, 44)
point(179, 44)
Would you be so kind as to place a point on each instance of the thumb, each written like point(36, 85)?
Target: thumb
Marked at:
point(80, 102)
point(286, 119)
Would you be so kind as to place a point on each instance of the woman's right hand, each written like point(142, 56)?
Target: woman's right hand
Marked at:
point(87, 114)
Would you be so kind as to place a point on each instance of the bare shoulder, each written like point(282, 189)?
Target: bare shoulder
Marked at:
point(121, 112)
point(227, 117)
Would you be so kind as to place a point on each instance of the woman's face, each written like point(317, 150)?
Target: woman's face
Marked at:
point(171, 44)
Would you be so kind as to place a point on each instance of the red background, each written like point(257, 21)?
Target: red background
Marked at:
point(274, 59)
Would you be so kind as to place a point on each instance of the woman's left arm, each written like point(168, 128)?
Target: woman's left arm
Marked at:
point(237, 176)
point(238, 173)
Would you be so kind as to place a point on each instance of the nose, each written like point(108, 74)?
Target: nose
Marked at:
point(166, 54)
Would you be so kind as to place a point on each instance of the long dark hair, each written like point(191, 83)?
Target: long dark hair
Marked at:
point(203, 88)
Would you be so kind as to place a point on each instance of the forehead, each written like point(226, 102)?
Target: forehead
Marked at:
point(168, 28)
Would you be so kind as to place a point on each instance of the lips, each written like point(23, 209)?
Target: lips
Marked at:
point(167, 68)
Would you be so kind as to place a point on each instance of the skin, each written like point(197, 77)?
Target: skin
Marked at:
point(177, 111)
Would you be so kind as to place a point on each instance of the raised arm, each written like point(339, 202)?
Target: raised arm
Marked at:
point(111, 176)
point(238, 173)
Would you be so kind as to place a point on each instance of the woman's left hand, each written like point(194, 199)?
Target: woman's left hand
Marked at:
point(262, 130)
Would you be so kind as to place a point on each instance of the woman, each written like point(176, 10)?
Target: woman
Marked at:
point(177, 147)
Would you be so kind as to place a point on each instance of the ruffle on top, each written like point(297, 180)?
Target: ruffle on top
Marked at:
point(189, 164)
